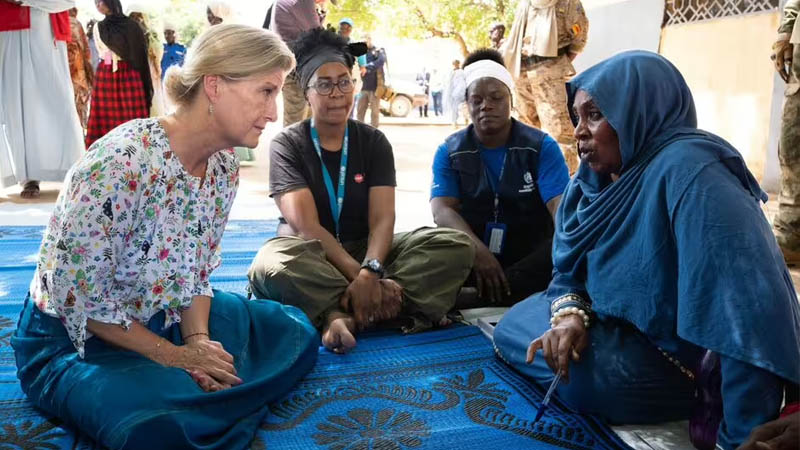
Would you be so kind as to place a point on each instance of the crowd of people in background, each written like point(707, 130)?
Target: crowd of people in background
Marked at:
point(118, 65)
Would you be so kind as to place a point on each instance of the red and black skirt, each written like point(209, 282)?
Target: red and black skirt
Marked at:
point(117, 97)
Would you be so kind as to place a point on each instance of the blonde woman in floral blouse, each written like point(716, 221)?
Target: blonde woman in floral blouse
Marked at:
point(122, 335)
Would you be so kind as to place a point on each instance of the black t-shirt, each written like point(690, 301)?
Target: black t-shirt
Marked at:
point(294, 164)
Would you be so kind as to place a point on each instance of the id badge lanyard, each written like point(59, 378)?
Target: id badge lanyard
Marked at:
point(496, 190)
point(496, 231)
point(336, 199)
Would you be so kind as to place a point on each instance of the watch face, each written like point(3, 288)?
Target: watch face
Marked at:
point(374, 265)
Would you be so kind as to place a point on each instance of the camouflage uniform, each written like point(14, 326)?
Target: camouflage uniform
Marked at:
point(787, 222)
point(541, 94)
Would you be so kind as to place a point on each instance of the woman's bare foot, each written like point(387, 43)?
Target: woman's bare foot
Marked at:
point(339, 334)
point(30, 190)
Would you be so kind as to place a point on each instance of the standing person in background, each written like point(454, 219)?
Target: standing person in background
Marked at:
point(497, 35)
point(95, 55)
point(376, 58)
point(290, 18)
point(80, 67)
point(123, 87)
point(346, 31)
point(40, 135)
point(786, 54)
point(218, 11)
point(424, 81)
point(456, 92)
point(345, 28)
point(437, 86)
point(544, 39)
point(155, 52)
point(174, 52)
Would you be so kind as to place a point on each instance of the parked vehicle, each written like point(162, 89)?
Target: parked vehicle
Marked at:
point(402, 97)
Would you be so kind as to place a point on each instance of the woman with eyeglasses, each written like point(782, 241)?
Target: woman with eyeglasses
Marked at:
point(336, 256)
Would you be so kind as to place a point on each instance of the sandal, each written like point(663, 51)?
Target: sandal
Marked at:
point(30, 190)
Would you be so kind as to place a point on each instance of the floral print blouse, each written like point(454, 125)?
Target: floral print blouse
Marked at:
point(132, 233)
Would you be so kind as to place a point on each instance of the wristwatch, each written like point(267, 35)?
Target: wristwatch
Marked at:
point(373, 265)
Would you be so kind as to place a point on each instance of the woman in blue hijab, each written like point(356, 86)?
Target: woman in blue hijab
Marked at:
point(670, 294)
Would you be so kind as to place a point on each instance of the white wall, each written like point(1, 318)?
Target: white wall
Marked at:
point(732, 81)
point(618, 25)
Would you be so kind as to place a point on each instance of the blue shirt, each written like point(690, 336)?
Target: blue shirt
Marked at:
point(551, 180)
point(173, 55)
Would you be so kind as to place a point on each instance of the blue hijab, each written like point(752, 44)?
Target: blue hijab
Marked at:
point(631, 247)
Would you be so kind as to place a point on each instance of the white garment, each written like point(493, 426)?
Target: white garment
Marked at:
point(457, 87)
point(535, 19)
point(437, 81)
point(488, 69)
point(40, 134)
point(543, 27)
point(221, 9)
point(456, 93)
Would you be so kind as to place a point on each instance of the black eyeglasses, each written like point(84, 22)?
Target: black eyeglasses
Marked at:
point(325, 87)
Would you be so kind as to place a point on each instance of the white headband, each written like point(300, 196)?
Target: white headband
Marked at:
point(488, 68)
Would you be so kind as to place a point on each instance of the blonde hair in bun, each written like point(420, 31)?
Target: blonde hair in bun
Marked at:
point(232, 51)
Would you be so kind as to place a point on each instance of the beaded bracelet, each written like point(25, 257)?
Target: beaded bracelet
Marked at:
point(569, 300)
point(568, 311)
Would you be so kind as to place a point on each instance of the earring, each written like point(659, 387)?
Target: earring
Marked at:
point(211, 109)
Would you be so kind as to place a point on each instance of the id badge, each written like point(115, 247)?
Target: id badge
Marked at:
point(495, 237)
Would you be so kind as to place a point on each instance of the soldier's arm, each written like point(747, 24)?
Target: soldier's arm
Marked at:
point(579, 26)
point(790, 13)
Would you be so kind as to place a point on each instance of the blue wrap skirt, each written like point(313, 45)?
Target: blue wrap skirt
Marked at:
point(124, 400)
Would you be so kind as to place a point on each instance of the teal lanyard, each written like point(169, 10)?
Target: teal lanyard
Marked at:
point(496, 189)
point(336, 200)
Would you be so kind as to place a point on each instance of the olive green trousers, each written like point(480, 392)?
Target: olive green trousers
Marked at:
point(430, 264)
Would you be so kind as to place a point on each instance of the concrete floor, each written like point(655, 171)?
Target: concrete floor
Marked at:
point(414, 143)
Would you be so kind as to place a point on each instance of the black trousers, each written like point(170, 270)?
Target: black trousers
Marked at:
point(527, 276)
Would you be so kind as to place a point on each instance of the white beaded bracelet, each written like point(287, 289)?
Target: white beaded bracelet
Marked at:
point(568, 311)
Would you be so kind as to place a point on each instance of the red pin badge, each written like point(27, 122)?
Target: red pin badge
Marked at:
point(359, 178)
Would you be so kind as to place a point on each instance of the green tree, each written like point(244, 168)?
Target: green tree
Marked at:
point(465, 21)
point(189, 17)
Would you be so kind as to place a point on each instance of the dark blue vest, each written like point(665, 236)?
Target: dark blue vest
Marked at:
point(521, 206)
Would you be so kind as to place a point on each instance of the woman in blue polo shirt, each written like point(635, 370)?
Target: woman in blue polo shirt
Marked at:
point(499, 181)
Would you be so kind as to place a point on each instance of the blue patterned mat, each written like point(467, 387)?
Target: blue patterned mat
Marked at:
point(435, 390)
